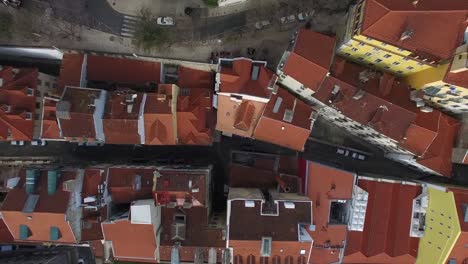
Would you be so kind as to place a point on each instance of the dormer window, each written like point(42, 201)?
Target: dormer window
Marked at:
point(28, 116)
point(30, 91)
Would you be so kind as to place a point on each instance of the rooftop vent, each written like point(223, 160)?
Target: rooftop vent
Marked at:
point(249, 204)
point(255, 72)
point(408, 33)
point(277, 106)
point(178, 227)
point(359, 94)
point(55, 233)
point(52, 179)
point(266, 247)
point(24, 232)
point(336, 90)
point(30, 203)
point(288, 115)
point(130, 98)
point(31, 177)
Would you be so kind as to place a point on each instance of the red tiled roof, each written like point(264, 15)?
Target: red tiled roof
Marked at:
point(237, 79)
point(5, 235)
point(288, 252)
point(91, 223)
point(182, 185)
point(81, 122)
point(158, 116)
point(130, 241)
point(438, 26)
point(428, 135)
point(308, 65)
point(70, 71)
point(15, 103)
point(244, 115)
point(272, 127)
point(193, 78)
point(49, 211)
point(50, 128)
point(326, 184)
point(120, 125)
point(195, 117)
point(122, 71)
point(385, 238)
point(122, 183)
point(92, 178)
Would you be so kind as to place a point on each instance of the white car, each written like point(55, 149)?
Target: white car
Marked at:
point(165, 21)
point(38, 142)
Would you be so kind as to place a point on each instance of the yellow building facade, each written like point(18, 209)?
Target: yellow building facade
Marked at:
point(377, 54)
point(442, 227)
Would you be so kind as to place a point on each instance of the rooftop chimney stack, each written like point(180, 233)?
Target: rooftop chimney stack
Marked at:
point(408, 33)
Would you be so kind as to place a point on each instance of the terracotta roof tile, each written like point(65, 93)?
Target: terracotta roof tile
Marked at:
point(49, 210)
point(5, 235)
point(308, 65)
point(120, 119)
point(122, 183)
point(244, 115)
point(50, 128)
point(70, 71)
point(273, 128)
point(325, 184)
point(130, 241)
point(193, 78)
point(438, 27)
point(387, 223)
point(237, 78)
point(16, 104)
point(122, 71)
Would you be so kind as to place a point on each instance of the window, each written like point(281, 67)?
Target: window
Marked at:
point(38, 105)
point(360, 58)
point(368, 54)
point(400, 72)
point(367, 38)
point(410, 67)
point(39, 82)
point(347, 54)
point(251, 259)
point(376, 49)
point(47, 84)
point(378, 60)
point(386, 67)
point(30, 92)
point(406, 59)
point(266, 247)
point(354, 49)
point(28, 116)
point(361, 44)
point(396, 63)
point(401, 49)
point(387, 55)
point(370, 64)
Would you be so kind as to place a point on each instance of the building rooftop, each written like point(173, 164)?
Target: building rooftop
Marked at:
point(159, 118)
point(127, 184)
point(310, 58)
point(35, 209)
point(437, 27)
point(183, 185)
point(17, 103)
point(327, 184)
point(76, 109)
point(386, 235)
point(122, 70)
point(428, 135)
point(70, 71)
point(245, 77)
point(193, 78)
point(120, 120)
point(49, 127)
point(286, 121)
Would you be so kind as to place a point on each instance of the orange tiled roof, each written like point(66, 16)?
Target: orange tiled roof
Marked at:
point(326, 184)
point(237, 79)
point(122, 183)
point(193, 78)
point(385, 238)
point(195, 117)
point(81, 122)
point(310, 58)
point(120, 125)
point(272, 127)
point(428, 135)
point(131, 241)
point(122, 71)
point(438, 26)
point(158, 116)
point(70, 71)
point(50, 128)
point(15, 103)
point(49, 210)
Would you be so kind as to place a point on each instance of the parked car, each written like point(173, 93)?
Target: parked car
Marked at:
point(38, 142)
point(13, 3)
point(165, 21)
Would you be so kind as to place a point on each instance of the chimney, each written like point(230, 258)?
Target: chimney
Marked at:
point(408, 33)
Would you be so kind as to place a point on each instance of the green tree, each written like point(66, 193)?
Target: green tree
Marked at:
point(149, 34)
point(211, 3)
point(6, 22)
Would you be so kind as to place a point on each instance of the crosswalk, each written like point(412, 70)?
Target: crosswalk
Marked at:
point(129, 25)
